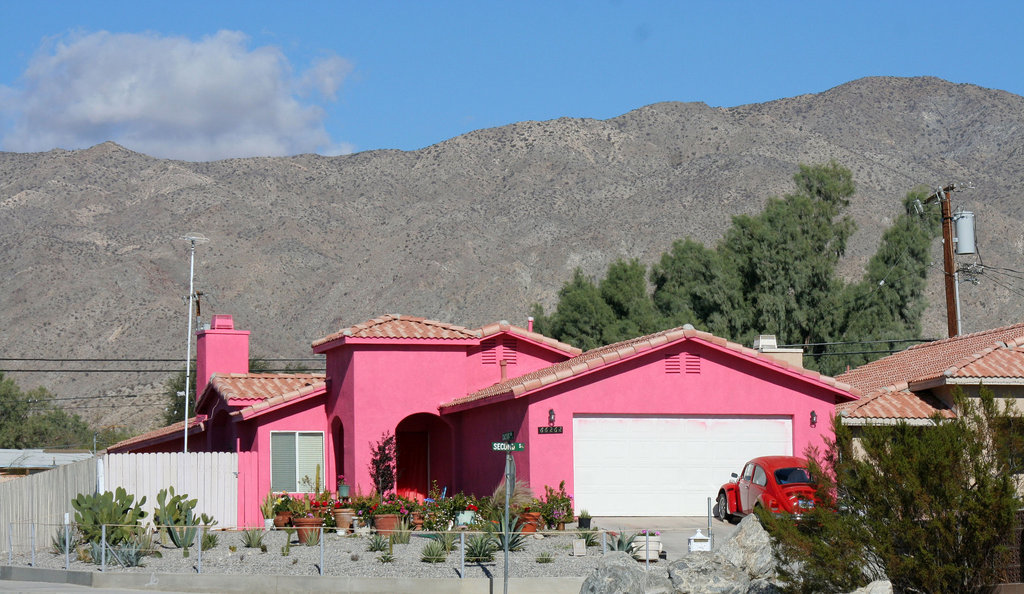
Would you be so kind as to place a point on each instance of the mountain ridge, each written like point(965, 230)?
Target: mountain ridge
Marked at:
point(470, 230)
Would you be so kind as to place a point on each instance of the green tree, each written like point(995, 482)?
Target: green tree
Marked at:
point(30, 420)
point(174, 396)
point(929, 507)
point(887, 304)
point(774, 273)
point(582, 314)
point(771, 273)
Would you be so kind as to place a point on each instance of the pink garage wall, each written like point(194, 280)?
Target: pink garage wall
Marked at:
point(728, 384)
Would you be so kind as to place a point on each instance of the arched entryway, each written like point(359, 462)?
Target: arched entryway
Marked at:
point(338, 437)
point(424, 454)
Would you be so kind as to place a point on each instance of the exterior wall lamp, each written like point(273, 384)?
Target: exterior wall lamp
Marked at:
point(814, 418)
point(551, 416)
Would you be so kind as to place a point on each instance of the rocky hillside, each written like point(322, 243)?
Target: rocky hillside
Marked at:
point(470, 230)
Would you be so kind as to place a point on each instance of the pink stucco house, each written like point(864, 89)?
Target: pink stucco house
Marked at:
point(649, 426)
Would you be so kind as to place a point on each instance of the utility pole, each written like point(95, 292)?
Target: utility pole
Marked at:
point(193, 239)
point(942, 195)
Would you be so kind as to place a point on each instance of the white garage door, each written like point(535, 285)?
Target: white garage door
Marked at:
point(666, 466)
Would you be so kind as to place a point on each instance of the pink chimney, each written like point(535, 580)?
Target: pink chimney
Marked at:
point(221, 349)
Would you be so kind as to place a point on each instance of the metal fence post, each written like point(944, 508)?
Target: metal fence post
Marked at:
point(10, 543)
point(321, 549)
point(462, 555)
point(32, 538)
point(103, 547)
point(199, 565)
point(604, 541)
point(67, 543)
point(711, 536)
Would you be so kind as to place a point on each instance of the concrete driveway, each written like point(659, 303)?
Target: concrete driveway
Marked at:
point(675, 530)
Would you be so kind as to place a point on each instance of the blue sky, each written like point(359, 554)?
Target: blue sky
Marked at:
point(201, 80)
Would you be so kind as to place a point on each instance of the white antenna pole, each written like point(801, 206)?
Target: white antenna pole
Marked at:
point(192, 239)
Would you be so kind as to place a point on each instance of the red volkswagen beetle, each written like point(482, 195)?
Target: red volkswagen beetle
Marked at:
point(780, 484)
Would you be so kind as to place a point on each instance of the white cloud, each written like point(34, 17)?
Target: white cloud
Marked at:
point(171, 97)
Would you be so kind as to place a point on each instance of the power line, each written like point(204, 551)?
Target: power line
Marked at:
point(118, 360)
point(809, 344)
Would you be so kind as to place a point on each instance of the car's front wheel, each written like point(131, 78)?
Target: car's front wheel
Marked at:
point(723, 507)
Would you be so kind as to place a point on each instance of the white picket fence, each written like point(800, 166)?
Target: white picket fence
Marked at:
point(44, 498)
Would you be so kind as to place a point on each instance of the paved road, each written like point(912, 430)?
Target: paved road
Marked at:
point(675, 531)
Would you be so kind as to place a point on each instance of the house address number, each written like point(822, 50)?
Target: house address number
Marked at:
point(550, 429)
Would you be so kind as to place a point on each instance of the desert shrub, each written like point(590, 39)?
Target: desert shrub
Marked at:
point(928, 507)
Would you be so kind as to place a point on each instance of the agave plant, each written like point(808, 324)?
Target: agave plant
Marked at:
point(510, 526)
point(434, 552)
point(621, 542)
point(480, 548)
point(253, 538)
point(447, 540)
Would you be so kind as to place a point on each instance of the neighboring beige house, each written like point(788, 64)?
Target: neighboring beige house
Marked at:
point(914, 384)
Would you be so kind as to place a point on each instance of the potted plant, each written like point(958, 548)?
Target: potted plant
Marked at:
point(343, 516)
point(647, 545)
point(306, 525)
point(282, 510)
point(530, 516)
point(467, 516)
point(267, 510)
point(557, 507)
point(584, 520)
point(343, 489)
point(386, 513)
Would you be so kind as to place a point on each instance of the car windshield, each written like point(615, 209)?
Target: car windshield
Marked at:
point(788, 476)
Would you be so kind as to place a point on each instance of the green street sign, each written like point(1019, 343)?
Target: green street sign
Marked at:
point(500, 446)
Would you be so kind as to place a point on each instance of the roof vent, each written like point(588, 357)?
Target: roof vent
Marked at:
point(765, 341)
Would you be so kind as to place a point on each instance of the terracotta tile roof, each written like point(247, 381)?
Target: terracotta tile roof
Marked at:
point(503, 326)
point(894, 402)
point(609, 354)
point(400, 326)
point(991, 354)
point(171, 431)
point(262, 386)
point(929, 360)
point(307, 389)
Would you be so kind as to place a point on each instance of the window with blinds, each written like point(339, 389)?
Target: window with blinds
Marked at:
point(294, 455)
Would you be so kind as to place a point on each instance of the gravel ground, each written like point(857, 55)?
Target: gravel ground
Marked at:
point(343, 556)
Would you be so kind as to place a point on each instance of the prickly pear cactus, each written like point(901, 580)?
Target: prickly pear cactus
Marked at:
point(116, 510)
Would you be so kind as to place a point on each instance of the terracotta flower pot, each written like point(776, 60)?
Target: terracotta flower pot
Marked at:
point(417, 521)
point(385, 523)
point(282, 519)
point(529, 521)
point(343, 518)
point(306, 528)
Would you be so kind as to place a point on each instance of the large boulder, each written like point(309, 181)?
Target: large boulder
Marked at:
point(707, 573)
point(750, 549)
point(618, 572)
point(879, 587)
